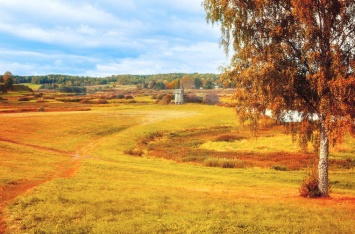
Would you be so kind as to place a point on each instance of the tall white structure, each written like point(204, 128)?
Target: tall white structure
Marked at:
point(179, 96)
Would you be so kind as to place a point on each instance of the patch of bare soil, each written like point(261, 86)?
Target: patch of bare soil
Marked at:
point(10, 191)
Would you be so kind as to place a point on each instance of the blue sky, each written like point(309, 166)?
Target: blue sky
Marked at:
point(106, 37)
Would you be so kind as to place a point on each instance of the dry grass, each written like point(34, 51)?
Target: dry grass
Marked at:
point(114, 192)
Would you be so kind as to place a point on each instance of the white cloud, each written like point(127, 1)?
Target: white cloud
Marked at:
point(35, 63)
point(202, 57)
point(107, 37)
point(61, 22)
point(55, 11)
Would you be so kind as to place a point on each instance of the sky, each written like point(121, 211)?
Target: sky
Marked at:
point(100, 38)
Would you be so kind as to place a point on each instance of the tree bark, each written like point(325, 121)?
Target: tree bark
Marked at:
point(323, 161)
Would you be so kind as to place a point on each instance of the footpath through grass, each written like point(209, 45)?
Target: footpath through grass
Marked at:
point(117, 193)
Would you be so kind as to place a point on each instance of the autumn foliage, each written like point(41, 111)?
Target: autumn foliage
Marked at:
point(292, 57)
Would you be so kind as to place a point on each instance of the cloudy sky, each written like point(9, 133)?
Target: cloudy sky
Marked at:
point(106, 37)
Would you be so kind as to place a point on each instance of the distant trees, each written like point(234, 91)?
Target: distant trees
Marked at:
point(156, 81)
point(197, 83)
point(187, 82)
point(208, 84)
point(292, 56)
point(175, 84)
point(159, 85)
point(72, 89)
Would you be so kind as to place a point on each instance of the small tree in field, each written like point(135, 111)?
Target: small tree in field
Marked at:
point(8, 81)
point(292, 55)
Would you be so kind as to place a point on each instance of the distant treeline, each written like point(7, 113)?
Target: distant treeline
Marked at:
point(157, 81)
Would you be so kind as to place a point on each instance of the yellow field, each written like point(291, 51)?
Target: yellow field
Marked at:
point(69, 174)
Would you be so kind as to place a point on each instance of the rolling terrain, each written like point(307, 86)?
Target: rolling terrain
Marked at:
point(70, 172)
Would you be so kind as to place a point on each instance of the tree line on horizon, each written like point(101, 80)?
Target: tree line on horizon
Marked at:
point(155, 81)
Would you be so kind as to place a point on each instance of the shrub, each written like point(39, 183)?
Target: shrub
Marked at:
point(110, 96)
point(120, 96)
point(150, 137)
point(48, 97)
point(279, 168)
point(194, 158)
point(85, 101)
point(134, 152)
point(161, 96)
point(41, 109)
point(23, 99)
point(167, 99)
point(229, 138)
point(101, 101)
point(38, 95)
point(309, 187)
point(223, 163)
point(129, 97)
point(211, 98)
point(193, 98)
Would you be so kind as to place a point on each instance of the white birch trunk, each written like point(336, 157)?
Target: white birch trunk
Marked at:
point(323, 161)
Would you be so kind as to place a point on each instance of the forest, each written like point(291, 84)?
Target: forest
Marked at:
point(156, 81)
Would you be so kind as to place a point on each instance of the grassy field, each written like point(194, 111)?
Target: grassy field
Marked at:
point(70, 174)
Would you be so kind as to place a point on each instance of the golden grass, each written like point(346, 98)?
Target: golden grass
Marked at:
point(116, 193)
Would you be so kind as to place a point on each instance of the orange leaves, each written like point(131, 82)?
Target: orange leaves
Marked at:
point(291, 54)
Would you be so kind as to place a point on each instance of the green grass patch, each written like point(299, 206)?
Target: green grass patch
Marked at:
point(34, 87)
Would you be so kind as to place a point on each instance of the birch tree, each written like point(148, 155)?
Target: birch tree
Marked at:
point(292, 55)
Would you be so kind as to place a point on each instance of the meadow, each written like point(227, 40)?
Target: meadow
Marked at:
point(198, 171)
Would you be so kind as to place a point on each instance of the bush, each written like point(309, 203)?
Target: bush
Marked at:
point(309, 187)
point(134, 152)
point(120, 96)
point(193, 98)
point(129, 97)
point(167, 99)
point(48, 97)
point(224, 163)
point(279, 168)
point(38, 95)
point(69, 99)
point(101, 101)
point(160, 96)
point(85, 101)
point(111, 96)
point(150, 137)
point(229, 138)
point(23, 99)
point(211, 98)
point(41, 109)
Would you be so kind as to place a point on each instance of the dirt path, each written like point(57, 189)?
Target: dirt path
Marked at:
point(10, 191)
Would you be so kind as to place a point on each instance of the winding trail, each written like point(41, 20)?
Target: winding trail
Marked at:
point(13, 190)
point(10, 191)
